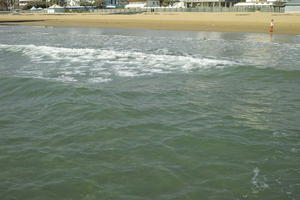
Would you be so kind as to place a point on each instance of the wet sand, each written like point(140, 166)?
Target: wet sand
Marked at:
point(257, 22)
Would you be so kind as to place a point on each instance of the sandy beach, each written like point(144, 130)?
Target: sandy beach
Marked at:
point(257, 22)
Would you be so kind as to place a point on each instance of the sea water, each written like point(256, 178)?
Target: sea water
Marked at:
point(132, 114)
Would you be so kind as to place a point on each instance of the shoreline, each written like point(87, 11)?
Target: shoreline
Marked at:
point(256, 22)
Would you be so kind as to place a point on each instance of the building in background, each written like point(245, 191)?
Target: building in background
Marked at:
point(261, 3)
point(208, 3)
point(292, 6)
point(78, 2)
point(48, 3)
point(142, 3)
point(116, 3)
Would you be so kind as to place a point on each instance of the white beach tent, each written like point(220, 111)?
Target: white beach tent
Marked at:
point(33, 8)
point(56, 9)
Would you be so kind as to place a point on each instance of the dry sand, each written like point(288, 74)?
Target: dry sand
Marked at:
point(224, 22)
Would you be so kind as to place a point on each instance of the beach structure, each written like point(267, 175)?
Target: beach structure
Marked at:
point(77, 2)
point(208, 3)
point(142, 3)
point(111, 2)
point(56, 9)
point(79, 8)
point(261, 5)
point(250, 4)
point(292, 6)
point(179, 4)
point(115, 3)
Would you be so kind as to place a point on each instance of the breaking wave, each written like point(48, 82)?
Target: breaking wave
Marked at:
point(100, 65)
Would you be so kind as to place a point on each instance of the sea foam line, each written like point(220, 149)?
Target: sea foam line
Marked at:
point(101, 64)
point(87, 55)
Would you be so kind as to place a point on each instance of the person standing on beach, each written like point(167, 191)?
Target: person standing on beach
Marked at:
point(271, 25)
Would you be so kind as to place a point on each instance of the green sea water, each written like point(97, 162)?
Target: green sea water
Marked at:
point(119, 114)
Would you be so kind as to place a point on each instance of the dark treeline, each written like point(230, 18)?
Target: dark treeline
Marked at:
point(8, 4)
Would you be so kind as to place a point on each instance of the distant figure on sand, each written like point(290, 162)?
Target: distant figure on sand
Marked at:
point(271, 25)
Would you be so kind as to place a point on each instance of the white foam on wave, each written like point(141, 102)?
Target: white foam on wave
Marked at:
point(99, 80)
point(258, 182)
point(76, 64)
point(66, 79)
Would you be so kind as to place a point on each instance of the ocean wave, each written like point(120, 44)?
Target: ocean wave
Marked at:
point(92, 65)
